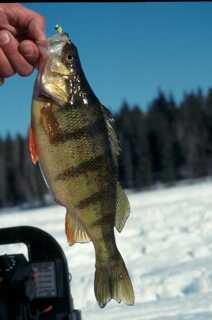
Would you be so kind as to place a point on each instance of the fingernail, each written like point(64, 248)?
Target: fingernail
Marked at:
point(4, 38)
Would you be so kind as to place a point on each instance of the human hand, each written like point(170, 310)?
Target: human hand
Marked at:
point(20, 29)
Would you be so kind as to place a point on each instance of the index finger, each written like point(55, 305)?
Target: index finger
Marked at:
point(36, 28)
point(27, 21)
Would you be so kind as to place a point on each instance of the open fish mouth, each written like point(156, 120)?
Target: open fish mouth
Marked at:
point(52, 48)
point(52, 72)
point(54, 44)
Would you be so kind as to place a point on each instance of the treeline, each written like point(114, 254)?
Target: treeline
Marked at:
point(20, 181)
point(167, 143)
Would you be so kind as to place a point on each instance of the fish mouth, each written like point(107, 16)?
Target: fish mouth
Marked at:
point(52, 82)
point(52, 72)
point(52, 48)
point(54, 45)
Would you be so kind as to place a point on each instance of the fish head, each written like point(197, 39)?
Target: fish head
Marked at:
point(58, 70)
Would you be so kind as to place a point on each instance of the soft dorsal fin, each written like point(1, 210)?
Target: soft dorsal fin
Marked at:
point(115, 146)
point(122, 208)
point(75, 231)
point(107, 112)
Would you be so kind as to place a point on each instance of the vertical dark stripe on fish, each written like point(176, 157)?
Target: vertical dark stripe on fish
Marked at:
point(95, 197)
point(92, 130)
point(92, 164)
point(106, 219)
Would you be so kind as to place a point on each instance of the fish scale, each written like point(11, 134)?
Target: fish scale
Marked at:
point(75, 144)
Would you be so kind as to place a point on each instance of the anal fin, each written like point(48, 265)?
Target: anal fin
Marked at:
point(75, 231)
point(122, 208)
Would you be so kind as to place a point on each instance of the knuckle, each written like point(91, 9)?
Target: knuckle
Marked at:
point(4, 37)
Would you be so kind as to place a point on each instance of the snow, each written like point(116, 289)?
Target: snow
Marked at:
point(167, 247)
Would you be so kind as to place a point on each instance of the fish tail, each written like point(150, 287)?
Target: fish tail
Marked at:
point(112, 281)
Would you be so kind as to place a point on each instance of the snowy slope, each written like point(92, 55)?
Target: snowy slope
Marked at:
point(167, 247)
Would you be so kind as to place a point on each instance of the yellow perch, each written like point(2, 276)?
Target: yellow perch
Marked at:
point(73, 140)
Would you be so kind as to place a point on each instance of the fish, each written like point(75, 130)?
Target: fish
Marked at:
point(73, 140)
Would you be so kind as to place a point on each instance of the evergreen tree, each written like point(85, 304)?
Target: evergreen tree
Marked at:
point(141, 161)
point(194, 136)
point(208, 126)
point(10, 171)
point(20, 181)
point(161, 134)
point(124, 129)
point(3, 180)
point(36, 184)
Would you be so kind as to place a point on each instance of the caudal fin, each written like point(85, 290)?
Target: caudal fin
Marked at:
point(112, 281)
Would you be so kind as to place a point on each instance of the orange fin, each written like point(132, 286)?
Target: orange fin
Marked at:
point(32, 146)
point(75, 231)
point(69, 231)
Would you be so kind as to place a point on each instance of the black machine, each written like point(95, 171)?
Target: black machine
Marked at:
point(37, 288)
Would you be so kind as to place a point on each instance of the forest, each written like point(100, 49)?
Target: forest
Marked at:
point(166, 143)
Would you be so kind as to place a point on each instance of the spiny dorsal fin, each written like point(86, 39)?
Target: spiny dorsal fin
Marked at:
point(75, 231)
point(122, 208)
point(115, 146)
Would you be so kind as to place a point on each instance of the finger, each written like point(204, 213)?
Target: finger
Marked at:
point(27, 21)
point(9, 46)
point(6, 70)
point(30, 51)
point(4, 24)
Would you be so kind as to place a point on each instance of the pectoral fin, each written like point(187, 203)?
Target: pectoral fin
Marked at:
point(50, 124)
point(122, 208)
point(74, 229)
point(32, 146)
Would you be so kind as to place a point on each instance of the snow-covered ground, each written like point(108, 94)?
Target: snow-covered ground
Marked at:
point(167, 247)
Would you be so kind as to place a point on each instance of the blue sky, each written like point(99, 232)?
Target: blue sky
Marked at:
point(128, 51)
